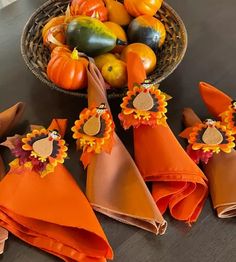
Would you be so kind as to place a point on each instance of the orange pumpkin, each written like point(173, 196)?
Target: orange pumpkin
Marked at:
point(142, 7)
point(58, 20)
point(117, 12)
point(54, 32)
point(67, 69)
point(60, 49)
point(92, 8)
point(146, 54)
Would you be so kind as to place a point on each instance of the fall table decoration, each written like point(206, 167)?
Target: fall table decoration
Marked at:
point(47, 28)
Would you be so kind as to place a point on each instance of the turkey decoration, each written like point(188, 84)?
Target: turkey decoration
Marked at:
point(41, 151)
point(143, 105)
point(208, 138)
point(94, 132)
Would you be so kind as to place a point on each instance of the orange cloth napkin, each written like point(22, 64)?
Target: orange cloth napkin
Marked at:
point(215, 100)
point(219, 105)
point(8, 119)
point(178, 184)
point(52, 213)
point(114, 184)
point(220, 171)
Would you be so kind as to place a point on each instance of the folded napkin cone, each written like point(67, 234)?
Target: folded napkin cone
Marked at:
point(220, 171)
point(220, 105)
point(114, 184)
point(215, 100)
point(178, 184)
point(52, 213)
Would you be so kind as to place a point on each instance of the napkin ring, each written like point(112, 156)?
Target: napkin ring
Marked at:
point(143, 105)
point(41, 151)
point(208, 138)
point(94, 132)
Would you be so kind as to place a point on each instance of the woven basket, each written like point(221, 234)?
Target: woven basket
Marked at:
point(36, 55)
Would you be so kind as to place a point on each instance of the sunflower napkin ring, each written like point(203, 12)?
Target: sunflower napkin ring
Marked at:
point(144, 105)
point(208, 138)
point(94, 132)
point(228, 117)
point(40, 150)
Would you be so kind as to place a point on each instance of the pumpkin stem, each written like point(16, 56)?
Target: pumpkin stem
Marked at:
point(75, 54)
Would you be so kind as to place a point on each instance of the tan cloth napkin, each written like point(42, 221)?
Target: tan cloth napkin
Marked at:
point(220, 171)
point(114, 185)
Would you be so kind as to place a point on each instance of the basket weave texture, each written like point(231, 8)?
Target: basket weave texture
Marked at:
point(36, 55)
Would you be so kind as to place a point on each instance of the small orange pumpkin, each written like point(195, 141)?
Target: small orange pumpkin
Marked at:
point(146, 54)
point(67, 69)
point(60, 49)
point(54, 32)
point(117, 12)
point(58, 20)
point(92, 8)
point(142, 7)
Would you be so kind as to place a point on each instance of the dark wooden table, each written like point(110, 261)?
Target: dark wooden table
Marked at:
point(211, 57)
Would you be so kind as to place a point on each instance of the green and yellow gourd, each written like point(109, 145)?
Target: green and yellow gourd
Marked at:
point(90, 36)
point(147, 30)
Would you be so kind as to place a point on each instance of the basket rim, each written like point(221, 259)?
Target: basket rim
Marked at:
point(113, 94)
point(185, 41)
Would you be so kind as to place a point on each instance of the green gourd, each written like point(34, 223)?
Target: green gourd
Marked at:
point(90, 36)
point(147, 30)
